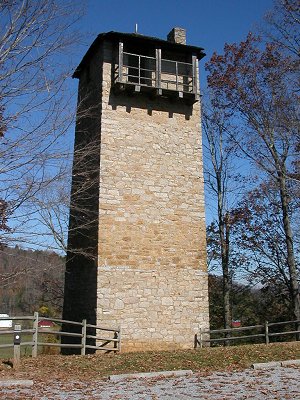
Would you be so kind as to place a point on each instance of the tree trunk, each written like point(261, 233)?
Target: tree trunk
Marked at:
point(294, 286)
point(224, 244)
point(226, 274)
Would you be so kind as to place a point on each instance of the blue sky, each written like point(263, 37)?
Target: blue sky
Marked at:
point(209, 23)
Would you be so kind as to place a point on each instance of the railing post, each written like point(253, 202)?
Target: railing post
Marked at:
point(158, 71)
point(176, 71)
point(267, 339)
point(83, 339)
point(120, 62)
point(139, 70)
point(17, 345)
point(195, 74)
point(35, 334)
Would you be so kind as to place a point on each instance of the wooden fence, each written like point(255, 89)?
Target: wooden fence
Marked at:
point(105, 339)
point(265, 333)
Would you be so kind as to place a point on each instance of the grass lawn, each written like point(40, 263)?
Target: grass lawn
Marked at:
point(100, 365)
point(8, 339)
point(25, 349)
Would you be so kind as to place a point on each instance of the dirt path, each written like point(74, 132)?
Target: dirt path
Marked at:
point(277, 383)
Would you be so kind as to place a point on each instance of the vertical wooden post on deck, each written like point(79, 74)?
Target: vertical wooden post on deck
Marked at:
point(120, 62)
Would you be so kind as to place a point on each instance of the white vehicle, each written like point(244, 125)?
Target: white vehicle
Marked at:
point(5, 323)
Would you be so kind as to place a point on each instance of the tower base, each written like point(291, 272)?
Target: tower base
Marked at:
point(156, 309)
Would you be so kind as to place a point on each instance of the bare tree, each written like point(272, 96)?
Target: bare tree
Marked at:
point(223, 185)
point(283, 25)
point(36, 109)
point(62, 220)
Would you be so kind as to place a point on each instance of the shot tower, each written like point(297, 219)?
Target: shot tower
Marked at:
point(137, 246)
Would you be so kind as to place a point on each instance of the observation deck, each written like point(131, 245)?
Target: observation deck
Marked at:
point(148, 65)
point(156, 75)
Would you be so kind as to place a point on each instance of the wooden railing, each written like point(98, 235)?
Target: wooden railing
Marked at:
point(263, 333)
point(106, 339)
point(157, 76)
point(156, 72)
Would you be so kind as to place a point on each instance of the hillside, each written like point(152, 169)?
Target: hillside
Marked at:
point(30, 279)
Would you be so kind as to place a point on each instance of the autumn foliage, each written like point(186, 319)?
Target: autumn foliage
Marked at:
point(257, 85)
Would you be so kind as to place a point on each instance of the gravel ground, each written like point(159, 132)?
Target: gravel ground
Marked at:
point(277, 383)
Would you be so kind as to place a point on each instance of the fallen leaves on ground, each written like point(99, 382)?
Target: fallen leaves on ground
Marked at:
point(100, 366)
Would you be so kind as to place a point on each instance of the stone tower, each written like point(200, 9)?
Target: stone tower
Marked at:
point(137, 246)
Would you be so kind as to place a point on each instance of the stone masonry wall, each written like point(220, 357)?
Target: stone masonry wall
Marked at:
point(160, 309)
point(152, 276)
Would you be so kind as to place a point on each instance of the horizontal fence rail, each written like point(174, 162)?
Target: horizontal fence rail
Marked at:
point(249, 334)
point(106, 339)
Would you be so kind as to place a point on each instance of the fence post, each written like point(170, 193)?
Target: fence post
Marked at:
point(35, 334)
point(267, 332)
point(297, 336)
point(83, 339)
point(17, 346)
point(201, 338)
point(116, 336)
point(119, 337)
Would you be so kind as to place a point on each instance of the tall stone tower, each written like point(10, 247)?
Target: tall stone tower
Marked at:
point(137, 246)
